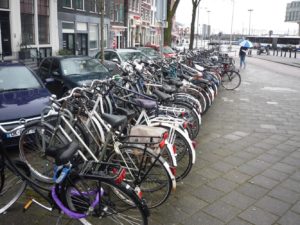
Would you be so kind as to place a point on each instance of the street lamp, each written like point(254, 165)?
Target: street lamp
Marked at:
point(231, 24)
point(250, 11)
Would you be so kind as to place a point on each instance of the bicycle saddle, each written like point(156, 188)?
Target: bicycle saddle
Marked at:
point(114, 120)
point(161, 95)
point(177, 83)
point(126, 112)
point(64, 154)
point(145, 103)
point(168, 89)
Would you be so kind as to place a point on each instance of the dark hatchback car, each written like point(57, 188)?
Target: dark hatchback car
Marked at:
point(61, 74)
point(22, 99)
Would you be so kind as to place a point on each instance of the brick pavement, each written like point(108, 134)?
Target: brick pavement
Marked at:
point(248, 158)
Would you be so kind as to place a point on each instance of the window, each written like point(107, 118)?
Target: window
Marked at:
point(79, 4)
point(93, 36)
point(4, 4)
point(67, 3)
point(27, 21)
point(93, 5)
point(55, 66)
point(43, 21)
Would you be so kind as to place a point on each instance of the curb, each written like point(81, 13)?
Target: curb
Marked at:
point(288, 64)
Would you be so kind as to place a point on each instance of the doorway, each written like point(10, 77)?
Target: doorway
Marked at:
point(5, 40)
point(69, 42)
point(82, 44)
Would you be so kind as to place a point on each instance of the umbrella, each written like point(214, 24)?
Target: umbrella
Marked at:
point(246, 44)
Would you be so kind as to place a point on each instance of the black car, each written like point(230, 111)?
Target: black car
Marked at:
point(61, 74)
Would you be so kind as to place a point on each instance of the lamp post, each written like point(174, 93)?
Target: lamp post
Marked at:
point(208, 28)
point(250, 11)
point(232, 16)
point(197, 26)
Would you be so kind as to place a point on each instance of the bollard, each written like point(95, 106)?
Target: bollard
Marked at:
point(277, 52)
point(273, 51)
point(295, 54)
point(290, 53)
point(285, 53)
point(281, 53)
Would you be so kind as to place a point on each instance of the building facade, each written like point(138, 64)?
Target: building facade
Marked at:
point(133, 23)
point(117, 22)
point(29, 25)
point(293, 13)
point(79, 26)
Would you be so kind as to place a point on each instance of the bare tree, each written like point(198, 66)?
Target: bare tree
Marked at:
point(171, 10)
point(192, 36)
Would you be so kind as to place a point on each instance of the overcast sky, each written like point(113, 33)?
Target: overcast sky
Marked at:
point(267, 15)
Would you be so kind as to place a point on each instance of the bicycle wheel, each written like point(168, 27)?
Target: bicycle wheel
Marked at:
point(33, 142)
point(147, 171)
point(11, 186)
point(103, 201)
point(184, 156)
point(231, 80)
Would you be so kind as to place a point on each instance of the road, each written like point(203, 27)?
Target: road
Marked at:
point(248, 158)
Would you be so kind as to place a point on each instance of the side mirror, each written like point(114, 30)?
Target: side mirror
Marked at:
point(115, 60)
point(49, 80)
point(56, 73)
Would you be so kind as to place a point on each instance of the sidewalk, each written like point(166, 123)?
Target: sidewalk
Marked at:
point(279, 59)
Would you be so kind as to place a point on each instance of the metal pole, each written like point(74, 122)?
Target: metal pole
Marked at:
point(250, 11)
point(208, 26)
point(162, 38)
point(102, 30)
point(197, 26)
point(232, 16)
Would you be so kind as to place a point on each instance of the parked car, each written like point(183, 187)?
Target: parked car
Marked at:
point(150, 52)
point(122, 55)
point(61, 74)
point(22, 99)
point(167, 50)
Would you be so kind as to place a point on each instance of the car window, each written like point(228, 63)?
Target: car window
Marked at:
point(55, 66)
point(133, 56)
point(79, 66)
point(114, 55)
point(17, 77)
point(106, 55)
point(44, 68)
point(167, 50)
point(150, 52)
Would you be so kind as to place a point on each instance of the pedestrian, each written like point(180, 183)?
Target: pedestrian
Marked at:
point(242, 55)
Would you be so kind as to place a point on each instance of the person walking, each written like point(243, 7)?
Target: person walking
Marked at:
point(242, 55)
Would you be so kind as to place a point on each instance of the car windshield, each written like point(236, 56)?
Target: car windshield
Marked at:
point(79, 66)
point(17, 78)
point(150, 52)
point(130, 56)
point(167, 50)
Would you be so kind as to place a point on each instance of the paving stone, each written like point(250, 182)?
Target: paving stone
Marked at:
point(207, 193)
point(255, 150)
point(232, 137)
point(291, 161)
point(277, 152)
point(296, 176)
point(285, 168)
point(269, 158)
point(296, 207)
point(274, 174)
point(250, 170)
point(286, 147)
point(240, 133)
point(222, 211)
point(223, 184)
point(236, 161)
point(209, 173)
point(238, 221)
point(273, 205)
point(292, 185)
point(202, 218)
point(284, 194)
point(258, 217)
point(264, 181)
point(237, 176)
point(222, 166)
point(290, 218)
point(264, 145)
point(238, 200)
point(223, 152)
point(188, 204)
point(245, 155)
point(252, 190)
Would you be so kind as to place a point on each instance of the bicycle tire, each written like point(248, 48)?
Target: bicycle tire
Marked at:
point(228, 78)
point(112, 206)
point(12, 187)
point(160, 188)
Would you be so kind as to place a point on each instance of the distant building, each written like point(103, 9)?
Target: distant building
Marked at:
point(293, 13)
point(79, 26)
point(117, 22)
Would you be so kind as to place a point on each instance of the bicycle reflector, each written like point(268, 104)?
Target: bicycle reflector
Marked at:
point(173, 170)
point(185, 125)
point(163, 142)
point(121, 176)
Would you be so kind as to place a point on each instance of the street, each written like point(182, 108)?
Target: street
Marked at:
point(248, 158)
